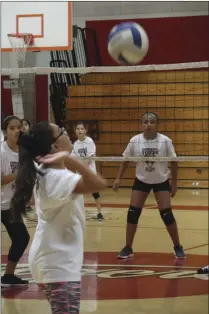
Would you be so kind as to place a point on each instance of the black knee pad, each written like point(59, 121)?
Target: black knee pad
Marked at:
point(167, 216)
point(96, 195)
point(133, 215)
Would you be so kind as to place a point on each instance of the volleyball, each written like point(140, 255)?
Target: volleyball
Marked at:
point(128, 43)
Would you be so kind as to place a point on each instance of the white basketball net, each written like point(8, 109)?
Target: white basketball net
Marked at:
point(20, 43)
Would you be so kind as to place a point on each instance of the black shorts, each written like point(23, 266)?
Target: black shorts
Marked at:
point(96, 195)
point(145, 187)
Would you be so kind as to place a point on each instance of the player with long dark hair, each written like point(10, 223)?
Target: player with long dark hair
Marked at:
point(56, 253)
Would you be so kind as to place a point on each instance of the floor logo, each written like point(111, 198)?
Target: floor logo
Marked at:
point(134, 280)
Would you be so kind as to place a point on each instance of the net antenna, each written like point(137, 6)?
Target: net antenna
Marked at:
point(20, 43)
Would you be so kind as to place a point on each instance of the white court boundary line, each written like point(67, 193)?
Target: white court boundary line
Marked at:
point(138, 266)
point(135, 68)
point(177, 267)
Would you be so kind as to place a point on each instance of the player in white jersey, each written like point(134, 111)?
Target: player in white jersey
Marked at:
point(17, 231)
point(25, 125)
point(85, 147)
point(56, 253)
point(150, 176)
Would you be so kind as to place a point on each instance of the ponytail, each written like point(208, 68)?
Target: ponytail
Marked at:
point(37, 142)
point(24, 184)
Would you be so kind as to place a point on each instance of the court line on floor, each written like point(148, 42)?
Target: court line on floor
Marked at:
point(196, 247)
point(139, 227)
point(180, 207)
point(107, 209)
point(139, 266)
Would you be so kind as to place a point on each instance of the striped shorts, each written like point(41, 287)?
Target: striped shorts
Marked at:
point(64, 297)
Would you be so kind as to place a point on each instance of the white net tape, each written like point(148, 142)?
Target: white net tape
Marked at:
point(141, 68)
point(154, 159)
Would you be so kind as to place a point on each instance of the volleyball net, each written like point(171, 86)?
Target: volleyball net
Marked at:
point(111, 100)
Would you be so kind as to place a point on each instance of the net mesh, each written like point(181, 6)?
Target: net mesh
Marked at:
point(19, 44)
point(110, 100)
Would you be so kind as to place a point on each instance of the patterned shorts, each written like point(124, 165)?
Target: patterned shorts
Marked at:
point(64, 297)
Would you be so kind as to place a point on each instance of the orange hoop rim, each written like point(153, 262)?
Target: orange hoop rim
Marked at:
point(20, 35)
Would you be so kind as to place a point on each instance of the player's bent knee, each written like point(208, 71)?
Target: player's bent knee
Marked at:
point(167, 216)
point(133, 215)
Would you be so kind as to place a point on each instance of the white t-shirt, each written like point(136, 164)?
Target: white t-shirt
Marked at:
point(2, 136)
point(56, 253)
point(9, 165)
point(161, 146)
point(86, 148)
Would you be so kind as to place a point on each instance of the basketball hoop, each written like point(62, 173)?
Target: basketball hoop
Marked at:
point(20, 43)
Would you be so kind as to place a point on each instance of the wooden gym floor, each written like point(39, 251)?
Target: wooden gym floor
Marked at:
point(152, 282)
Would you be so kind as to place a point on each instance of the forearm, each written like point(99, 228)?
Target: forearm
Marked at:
point(174, 171)
point(8, 179)
point(123, 166)
point(89, 178)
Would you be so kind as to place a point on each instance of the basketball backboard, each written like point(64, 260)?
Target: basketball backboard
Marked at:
point(49, 22)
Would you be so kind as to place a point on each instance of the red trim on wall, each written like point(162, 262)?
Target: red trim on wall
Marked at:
point(41, 83)
point(6, 99)
point(172, 39)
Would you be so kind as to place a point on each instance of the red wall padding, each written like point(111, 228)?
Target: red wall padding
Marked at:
point(172, 39)
point(42, 88)
point(6, 99)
